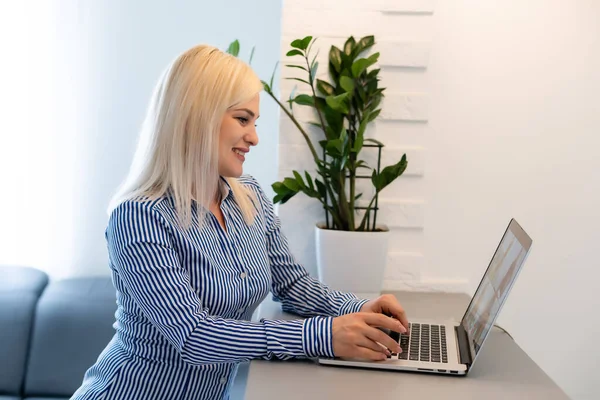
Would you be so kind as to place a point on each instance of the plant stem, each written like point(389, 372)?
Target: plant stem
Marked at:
point(302, 131)
point(314, 93)
point(352, 168)
point(377, 193)
point(364, 220)
point(314, 154)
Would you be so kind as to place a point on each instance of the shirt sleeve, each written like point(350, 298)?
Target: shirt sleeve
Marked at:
point(142, 252)
point(292, 285)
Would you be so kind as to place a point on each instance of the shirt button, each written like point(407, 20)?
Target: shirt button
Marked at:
point(223, 381)
point(243, 275)
point(241, 311)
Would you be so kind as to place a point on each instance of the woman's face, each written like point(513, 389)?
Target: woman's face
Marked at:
point(238, 134)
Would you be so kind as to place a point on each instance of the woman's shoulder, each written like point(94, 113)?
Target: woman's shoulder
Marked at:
point(141, 208)
point(251, 184)
point(249, 181)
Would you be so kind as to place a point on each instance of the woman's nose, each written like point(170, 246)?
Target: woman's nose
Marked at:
point(252, 137)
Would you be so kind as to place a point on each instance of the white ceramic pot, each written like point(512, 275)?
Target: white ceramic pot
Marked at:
point(352, 261)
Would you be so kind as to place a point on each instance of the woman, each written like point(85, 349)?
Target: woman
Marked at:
point(194, 247)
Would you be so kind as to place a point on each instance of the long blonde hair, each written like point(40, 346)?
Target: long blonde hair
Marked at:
point(177, 150)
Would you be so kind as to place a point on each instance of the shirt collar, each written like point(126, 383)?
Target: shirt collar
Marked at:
point(225, 188)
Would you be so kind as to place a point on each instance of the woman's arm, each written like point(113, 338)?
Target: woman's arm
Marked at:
point(298, 292)
point(141, 251)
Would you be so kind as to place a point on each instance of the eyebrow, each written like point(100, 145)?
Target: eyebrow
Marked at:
point(248, 111)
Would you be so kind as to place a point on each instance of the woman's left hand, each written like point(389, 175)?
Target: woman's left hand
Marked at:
point(388, 305)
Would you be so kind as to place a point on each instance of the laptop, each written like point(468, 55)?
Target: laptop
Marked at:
point(451, 349)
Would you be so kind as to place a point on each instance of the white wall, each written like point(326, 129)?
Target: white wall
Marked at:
point(404, 41)
point(513, 123)
point(91, 66)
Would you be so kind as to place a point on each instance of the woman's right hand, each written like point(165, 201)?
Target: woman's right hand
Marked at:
point(356, 336)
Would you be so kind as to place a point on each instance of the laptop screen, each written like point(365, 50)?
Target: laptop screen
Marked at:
point(496, 284)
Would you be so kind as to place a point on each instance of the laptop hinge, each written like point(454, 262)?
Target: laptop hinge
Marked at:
point(463, 346)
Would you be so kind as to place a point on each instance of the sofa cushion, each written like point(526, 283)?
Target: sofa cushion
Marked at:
point(73, 324)
point(20, 288)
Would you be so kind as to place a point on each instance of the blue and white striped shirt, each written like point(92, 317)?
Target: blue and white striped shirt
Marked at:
point(185, 299)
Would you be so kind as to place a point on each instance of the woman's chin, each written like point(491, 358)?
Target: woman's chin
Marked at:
point(232, 173)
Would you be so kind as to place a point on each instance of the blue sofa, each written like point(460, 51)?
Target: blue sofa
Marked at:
point(51, 332)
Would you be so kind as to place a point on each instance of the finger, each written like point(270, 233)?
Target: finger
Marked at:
point(368, 354)
point(370, 344)
point(382, 321)
point(379, 336)
point(392, 307)
point(399, 313)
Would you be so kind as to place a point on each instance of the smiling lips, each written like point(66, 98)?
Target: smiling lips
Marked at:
point(240, 153)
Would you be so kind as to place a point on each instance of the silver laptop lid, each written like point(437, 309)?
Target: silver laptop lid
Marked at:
point(495, 286)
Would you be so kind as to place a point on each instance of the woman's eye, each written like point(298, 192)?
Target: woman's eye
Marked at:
point(243, 120)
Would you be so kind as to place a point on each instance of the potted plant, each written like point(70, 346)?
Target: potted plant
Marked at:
point(351, 245)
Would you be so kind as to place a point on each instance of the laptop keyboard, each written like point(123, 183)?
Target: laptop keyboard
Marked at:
point(423, 342)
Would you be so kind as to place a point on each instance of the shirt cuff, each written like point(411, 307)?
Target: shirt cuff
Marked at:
point(352, 306)
point(317, 338)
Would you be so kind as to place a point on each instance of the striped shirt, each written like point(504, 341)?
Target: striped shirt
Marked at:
point(185, 300)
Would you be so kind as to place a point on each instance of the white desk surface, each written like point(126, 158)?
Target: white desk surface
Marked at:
point(502, 371)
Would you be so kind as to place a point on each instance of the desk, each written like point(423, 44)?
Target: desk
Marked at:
point(502, 371)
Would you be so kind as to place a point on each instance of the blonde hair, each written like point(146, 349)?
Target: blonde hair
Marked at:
point(177, 150)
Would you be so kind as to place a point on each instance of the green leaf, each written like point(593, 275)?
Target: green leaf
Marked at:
point(291, 184)
point(313, 70)
point(266, 87)
point(334, 119)
point(273, 75)
point(372, 87)
point(309, 181)
point(349, 46)
point(347, 84)
point(306, 41)
point(362, 64)
point(373, 74)
point(297, 79)
point(325, 88)
point(298, 179)
point(364, 43)
point(279, 188)
point(303, 68)
point(362, 95)
point(234, 48)
point(358, 143)
point(338, 103)
point(321, 188)
point(375, 101)
point(388, 174)
point(315, 58)
point(362, 127)
point(334, 148)
point(320, 102)
point(301, 44)
point(373, 115)
point(343, 135)
point(251, 55)
point(304, 100)
point(372, 59)
point(362, 164)
point(294, 52)
point(335, 58)
point(359, 66)
point(283, 198)
point(377, 142)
